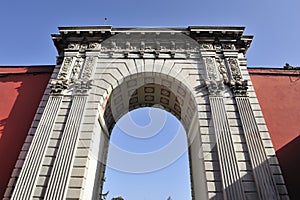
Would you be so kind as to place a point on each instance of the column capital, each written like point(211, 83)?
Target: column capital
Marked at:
point(239, 88)
point(215, 88)
point(74, 76)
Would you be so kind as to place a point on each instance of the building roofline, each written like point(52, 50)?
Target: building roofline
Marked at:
point(152, 28)
point(20, 66)
point(24, 69)
point(273, 71)
point(32, 69)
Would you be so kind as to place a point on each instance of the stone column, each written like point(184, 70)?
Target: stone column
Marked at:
point(32, 164)
point(62, 165)
point(265, 184)
point(29, 174)
point(231, 181)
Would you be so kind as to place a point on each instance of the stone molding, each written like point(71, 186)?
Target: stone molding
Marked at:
point(163, 42)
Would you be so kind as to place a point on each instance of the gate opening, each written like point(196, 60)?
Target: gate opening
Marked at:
point(157, 164)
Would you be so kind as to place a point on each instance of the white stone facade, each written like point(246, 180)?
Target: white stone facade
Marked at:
point(199, 74)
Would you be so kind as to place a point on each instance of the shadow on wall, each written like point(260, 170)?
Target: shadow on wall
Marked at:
point(20, 96)
point(248, 184)
point(289, 159)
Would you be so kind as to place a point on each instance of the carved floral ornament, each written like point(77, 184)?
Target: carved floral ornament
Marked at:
point(59, 85)
point(239, 88)
point(114, 45)
point(223, 70)
point(234, 69)
point(88, 46)
point(149, 46)
point(74, 78)
point(65, 68)
point(215, 88)
point(218, 46)
point(211, 69)
point(235, 82)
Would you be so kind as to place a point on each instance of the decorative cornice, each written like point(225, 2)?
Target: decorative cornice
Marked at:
point(209, 37)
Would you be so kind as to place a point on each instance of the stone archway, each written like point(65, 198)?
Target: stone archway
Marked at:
point(199, 74)
point(169, 79)
point(166, 92)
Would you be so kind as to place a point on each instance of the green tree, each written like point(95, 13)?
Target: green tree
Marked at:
point(117, 198)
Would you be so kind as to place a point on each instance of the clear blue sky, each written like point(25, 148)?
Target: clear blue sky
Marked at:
point(26, 25)
point(137, 179)
point(25, 40)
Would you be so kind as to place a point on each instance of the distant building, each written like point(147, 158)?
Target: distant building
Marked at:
point(25, 92)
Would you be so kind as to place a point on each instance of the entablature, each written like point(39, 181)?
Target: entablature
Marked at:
point(155, 40)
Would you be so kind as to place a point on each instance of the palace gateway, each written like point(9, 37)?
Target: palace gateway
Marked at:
point(198, 73)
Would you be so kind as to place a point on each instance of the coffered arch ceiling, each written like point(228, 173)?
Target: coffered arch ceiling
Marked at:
point(151, 90)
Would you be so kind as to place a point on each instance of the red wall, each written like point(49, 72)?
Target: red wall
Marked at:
point(278, 93)
point(21, 89)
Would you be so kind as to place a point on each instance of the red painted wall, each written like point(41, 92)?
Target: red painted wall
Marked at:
point(278, 93)
point(21, 89)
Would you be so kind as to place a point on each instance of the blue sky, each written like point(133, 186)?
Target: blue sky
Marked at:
point(25, 39)
point(137, 179)
point(26, 25)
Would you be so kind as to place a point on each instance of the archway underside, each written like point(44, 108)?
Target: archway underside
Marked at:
point(145, 90)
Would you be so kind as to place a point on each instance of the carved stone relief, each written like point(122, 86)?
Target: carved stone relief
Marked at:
point(217, 46)
point(234, 81)
point(84, 83)
point(207, 46)
point(222, 70)
point(62, 82)
point(149, 45)
point(65, 68)
point(239, 88)
point(215, 88)
point(237, 84)
point(234, 69)
point(88, 69)
point(76, 77)
point(76, 70)
point(82, 47)
point(58, 85)
point(211, 68)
